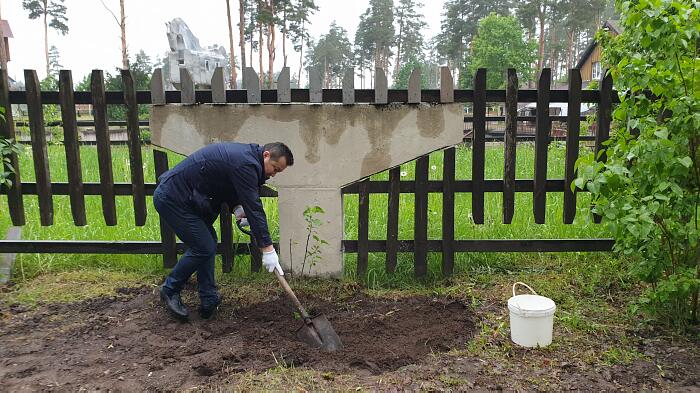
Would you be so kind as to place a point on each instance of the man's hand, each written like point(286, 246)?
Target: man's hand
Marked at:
point(271, 261)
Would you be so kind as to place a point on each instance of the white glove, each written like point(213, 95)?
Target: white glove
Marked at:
point(271, 262)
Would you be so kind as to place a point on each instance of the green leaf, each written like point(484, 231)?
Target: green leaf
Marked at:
point(686, 161)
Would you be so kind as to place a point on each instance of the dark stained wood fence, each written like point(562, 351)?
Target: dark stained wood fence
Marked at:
point(421, 186)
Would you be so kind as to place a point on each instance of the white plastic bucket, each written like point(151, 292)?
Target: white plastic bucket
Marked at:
point(531, 318)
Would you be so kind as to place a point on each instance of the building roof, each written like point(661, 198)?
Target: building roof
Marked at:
point(610, 25)
point(5, 29)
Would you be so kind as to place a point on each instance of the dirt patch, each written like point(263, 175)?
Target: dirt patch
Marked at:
point(129, 342)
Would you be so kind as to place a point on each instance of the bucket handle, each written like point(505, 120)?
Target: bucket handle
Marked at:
point(523, 284)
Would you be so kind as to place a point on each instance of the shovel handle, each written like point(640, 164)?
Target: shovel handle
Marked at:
point(291, 295)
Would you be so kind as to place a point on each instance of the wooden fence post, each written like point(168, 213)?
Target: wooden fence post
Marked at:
point(604, 118)
point(72, 146)
point(448, 211)
point(363, 228)
point(104, 152)
point(134, 141)
point(510, 149)
point(479, 146)
point(392, 225)
point(381, 86)
point(39, 147)
point(420, 226)
point(167, 236)
point(543, 124)
point(573, 130)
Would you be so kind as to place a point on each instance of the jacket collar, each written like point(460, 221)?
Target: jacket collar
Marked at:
point(261, 178)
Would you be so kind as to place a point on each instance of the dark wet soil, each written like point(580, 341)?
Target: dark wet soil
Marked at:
point(129, 342)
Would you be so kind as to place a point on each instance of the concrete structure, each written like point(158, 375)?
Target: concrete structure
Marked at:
point(333, 145)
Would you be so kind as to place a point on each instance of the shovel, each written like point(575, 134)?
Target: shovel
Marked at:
point(317, 331)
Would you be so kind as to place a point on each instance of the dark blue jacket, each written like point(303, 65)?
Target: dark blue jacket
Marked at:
point(218, 173)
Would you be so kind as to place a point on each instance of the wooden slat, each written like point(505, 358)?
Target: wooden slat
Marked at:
point(421, 217)
point(7, 130)
point(510, 245)
point(226, 223)
point(98, 247)
point(349, 87)
point(572, 140)
point(479, 146)
point(284, 89)
point(381, 87)
point(167, 236)
point(448, 211)
point(542, 125)
point(255, 256)
point(392, 225)
point(604, 117)
point(447, 87)
point(362, 230)
point(186, 87)
point(39, 148)
point(414, 87)
point(104, 153)
point(62, 188)
point(510, 149)
point(134, 143)
point(72, 145)
point(157, 90)
point(218, 86)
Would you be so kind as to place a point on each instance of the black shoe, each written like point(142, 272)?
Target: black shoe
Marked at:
point(206, 311)
point(173, 303)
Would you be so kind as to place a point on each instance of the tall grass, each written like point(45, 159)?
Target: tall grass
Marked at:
point(522, 227)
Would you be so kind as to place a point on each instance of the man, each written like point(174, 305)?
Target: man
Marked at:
point(188, 198)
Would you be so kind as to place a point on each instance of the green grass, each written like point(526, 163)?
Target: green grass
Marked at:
point(523, 226)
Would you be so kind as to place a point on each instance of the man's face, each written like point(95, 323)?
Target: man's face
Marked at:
point(273, 167)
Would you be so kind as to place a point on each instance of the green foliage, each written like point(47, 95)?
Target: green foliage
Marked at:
point(401, 80)
point(374, 37)
point(331, 56)
point(53, 10)
point(499, 45)
point(312, 250)
point(7, 148)
point(141, 70)
point(409, 37)
point(648, 190)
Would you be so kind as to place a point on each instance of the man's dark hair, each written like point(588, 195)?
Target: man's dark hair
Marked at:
point(279, 149)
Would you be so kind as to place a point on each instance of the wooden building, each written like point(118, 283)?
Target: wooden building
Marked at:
point(589, 63)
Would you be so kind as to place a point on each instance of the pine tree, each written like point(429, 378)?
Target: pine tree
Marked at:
point(409, 39)
point(48, 9)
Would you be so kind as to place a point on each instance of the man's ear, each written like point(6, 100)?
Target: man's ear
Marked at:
point(266, 154)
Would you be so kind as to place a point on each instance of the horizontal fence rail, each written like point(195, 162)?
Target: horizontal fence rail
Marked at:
point(480, 128)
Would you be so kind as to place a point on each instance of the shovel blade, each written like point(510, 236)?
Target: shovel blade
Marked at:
point(320, 334)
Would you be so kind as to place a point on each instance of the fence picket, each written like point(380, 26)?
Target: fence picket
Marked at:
point(542, 125)
point(167, 236)
point(134, 142)
point(226, 224)
point(104, 153)
point(604, 119)
point(479, 146)
point(39, 147)
point(392, 225)
point(414, 90)
point(218, 86)
point(421, 217)
point(349, 87)
point(510, 149)
point(363, 229)
point(72, 145)
point(284, 89)
point(447, 86)
point(448, 211)
point(187, 93)
point(381, 86)
point(573, 130)
point(7, 129)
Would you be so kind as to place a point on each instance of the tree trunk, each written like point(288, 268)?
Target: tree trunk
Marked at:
point(398, 49)
point(46, 40)
point(284, 34)
point(232, 83)
point(271, 44)
point(540, 53)
point(241, 31)
point(261, 75)
point(301, 54)
point(122, 26)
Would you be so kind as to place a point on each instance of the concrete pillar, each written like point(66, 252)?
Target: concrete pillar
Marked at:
point(328, 261)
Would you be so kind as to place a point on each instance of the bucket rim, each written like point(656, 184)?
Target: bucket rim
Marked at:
point(516, 307)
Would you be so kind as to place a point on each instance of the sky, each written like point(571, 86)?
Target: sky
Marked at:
point(93, 40)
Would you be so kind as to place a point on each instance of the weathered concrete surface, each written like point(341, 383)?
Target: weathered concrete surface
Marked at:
point(333, 145)
point(7, 260)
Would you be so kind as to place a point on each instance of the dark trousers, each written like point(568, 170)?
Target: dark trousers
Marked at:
point(200, 237)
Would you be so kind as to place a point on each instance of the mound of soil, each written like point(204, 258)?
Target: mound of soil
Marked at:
point(130, 342)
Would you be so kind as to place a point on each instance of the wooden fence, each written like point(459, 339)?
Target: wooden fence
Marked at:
point(167, 246)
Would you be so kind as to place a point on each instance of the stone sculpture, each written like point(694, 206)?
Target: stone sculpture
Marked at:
point(185, 51)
